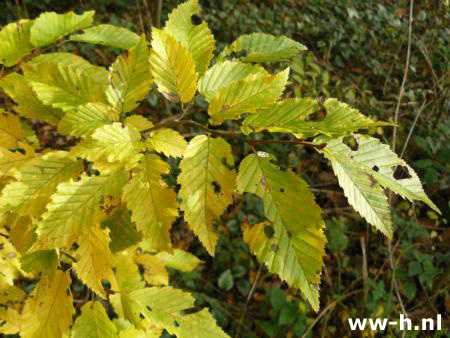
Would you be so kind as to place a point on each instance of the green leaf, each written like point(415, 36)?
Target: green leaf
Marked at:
point(15, 42)
point(261, 47)
point(290, 116)
point(152, 203)
point(75, 207)
point(167, 141)
point(207, 185)
point(86, 119)
point(108, 35)
point(224, 73)
point(164, 306)
point(50, 26)
point(28, 104)
point(37, 181)
point(197, 39)
point(122, 232)
point(363, 173)
point(292, 245)
point(173, 67)
point(63, 86)
point(93, 322)
point(45, 261)
point(130, 78)
point(253, 93)
point(225, 281)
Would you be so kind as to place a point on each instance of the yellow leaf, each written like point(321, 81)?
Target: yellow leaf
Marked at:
point(10, 319)
point(154, 271)
point(167, 141)
point(179, 259)
point(152, 204)
point(10, 160)
point(95, 259)
point(173, 67)
point(9, 262)
point(206, 185)
point(130, 78)
point(197, 38)
point(48, 311)
point(11, 131)
point(138, 122)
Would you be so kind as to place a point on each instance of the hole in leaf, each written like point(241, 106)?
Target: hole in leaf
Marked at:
point(217, 188)
point(351, 142)
point(373, 181)
point(240, 54)
point(21, 151)
point(317, 116)
point(269, 231)
point(196, 20)
point(179, 200)
point(176, 324)
point(226, 164)
point(274, 247)
point(375, 168)
point(401, 172)
point(263, 183)
point(189, 311)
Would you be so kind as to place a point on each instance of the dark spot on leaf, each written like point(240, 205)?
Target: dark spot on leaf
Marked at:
point(317, 116)
point(375, 168)
point(196, 20)
point(141, 316)
point(274, 247)
point(269, 231)
point(68, 292)
point(224, 108)
point(226, 164)
point(282, 190)
point(351, 142)
point(179, 200)
point(176, 324)
point(21, 151)
point(189, 311)
point(401, 172)
point(217, 188)
point(149, 308)
point(263, 183)
point(373, 181)
point(289, 234)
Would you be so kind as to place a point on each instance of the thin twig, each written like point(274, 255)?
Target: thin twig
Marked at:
point(247, 301)
point(158, 13)
point(411, 129)
point(330, 307)
point(405, 75)
point(68, 255)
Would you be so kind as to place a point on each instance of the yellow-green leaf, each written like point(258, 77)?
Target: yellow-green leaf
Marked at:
point(87, 118)
point(15, 42)
point(253, 93)
point(48, 312)
point(36, 181)
point(50, 26)
point(364, 172)
point(261, 47)
point(224, 73)
point(152, 203)
point(75, 207)
point(118, 143)
point(108, 35)
point(138, 122)
point(198, 39)
point(179, 259)
point(93, 322)
point(173, 67)
point(292, 244)
point(130, 78)
point(63, 86)
point(291, 116)
point(14, 160)
point(164, 306)
point(44, 261)
point(167, 141)
point(207, 185)
point(95, 263)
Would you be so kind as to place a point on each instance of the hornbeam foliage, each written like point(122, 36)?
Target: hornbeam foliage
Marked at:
point(103, 207)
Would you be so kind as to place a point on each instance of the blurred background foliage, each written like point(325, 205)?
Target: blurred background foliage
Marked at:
point(357, 53)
